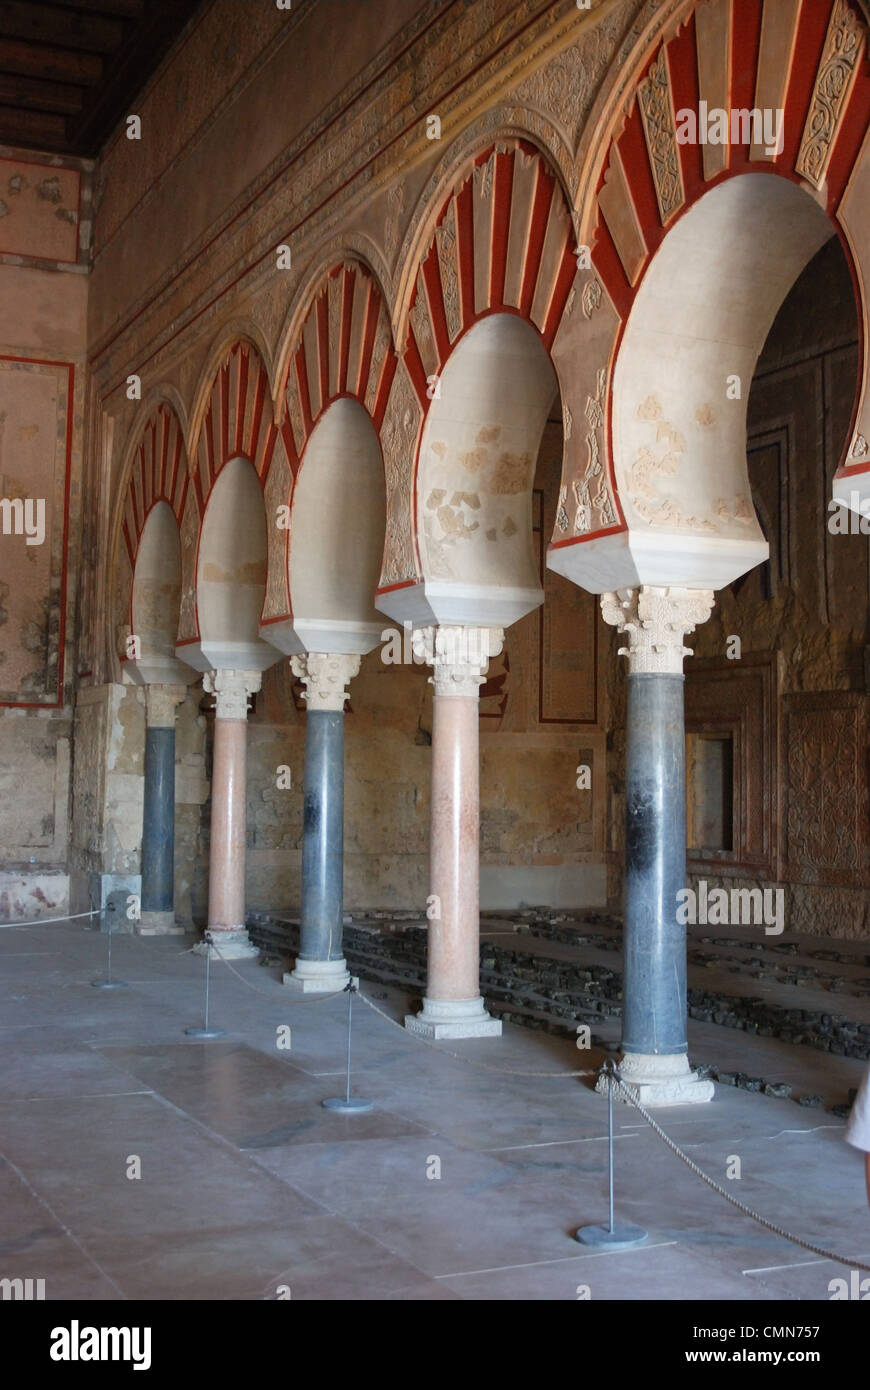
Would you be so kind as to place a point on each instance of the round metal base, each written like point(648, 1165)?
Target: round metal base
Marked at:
point(109, 984)
point(602, 1238)
point(352, 1106)
point(206, 1033)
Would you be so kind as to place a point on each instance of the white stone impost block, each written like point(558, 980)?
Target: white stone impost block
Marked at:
point(232, 690)
point(160, 702)
point(459, 656)
point(325, 675)
point(656, 620)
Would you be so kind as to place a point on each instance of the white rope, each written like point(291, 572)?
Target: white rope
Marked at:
point(274, 998)
point(741, 1206)
point(482, 1066)
point(44, 921)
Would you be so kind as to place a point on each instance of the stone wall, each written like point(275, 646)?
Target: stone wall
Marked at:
point(44, 240)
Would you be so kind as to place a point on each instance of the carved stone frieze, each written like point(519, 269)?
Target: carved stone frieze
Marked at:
point(399, 434)
point(844, 43)
point(657, 116)
point(189, 531)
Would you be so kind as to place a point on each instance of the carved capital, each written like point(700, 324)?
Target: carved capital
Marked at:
point(325, 675)
point(160, 702)
point(232, 690)
point(656, 620)
point(459, 656)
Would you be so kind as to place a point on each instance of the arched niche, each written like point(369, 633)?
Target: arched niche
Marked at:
point(337, 533)
point(682, 377)
point(156, 595)
point(231, 574)
point(476, 467)
point(680, 389)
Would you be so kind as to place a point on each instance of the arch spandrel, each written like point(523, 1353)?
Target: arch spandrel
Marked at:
point(157, 474)
point(501, 243)
point(236, 420)
point(341, 350)
point(810, 63)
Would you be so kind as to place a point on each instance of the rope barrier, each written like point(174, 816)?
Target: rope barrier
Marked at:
point(44, 921)
point(735, 1202)
point(690, 1163)
point(482, 1066)
point(320, 998)
point(755, 1216)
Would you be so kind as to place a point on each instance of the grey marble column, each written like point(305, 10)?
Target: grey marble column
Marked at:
point(157, 907)
point(320, 966)
point(655, 1063)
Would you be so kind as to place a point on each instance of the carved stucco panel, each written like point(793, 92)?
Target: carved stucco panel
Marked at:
point(399, 436)
point(189, 533)
point(277, 495)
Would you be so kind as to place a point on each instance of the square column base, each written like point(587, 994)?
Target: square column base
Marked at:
point(233, 943)
point(318, 976)
point(453, 1018)
point(157, 924)
point(658, 1079)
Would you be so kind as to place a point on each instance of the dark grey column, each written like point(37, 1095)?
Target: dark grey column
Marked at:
point(655, 1062)
point(157, 904)
point(320, 966)
point(654, 994)
point(158, 827)
point(323, 836)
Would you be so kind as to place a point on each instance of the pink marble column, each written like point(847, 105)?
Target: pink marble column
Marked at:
point(453, 1006)
point(226, 870)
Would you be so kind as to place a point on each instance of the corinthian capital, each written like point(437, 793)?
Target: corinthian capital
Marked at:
point(459, 656)
point(656, 620)
point(325, 675)
point(232, 690)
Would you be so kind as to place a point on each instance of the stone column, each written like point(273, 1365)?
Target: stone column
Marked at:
point(320, 966)
point(453, 1006)
point(226, 868)
point(655, 1061)
point(157, 907)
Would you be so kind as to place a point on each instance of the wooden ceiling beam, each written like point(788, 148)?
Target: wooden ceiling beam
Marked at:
point(124, 9)
point(59, 28)
point(34, 95)
point(55, 64)
point(35, 129)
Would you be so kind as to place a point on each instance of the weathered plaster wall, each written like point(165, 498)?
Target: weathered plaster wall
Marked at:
point(44, 229)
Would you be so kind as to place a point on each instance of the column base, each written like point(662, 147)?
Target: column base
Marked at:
point(233, 943)
point(157, 924)
point(318, 976)
point(453, 1018)
point(658, 1079)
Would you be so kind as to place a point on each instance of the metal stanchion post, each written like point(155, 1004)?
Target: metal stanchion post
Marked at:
point(108, 982)
point(346, 1104)
point(205, 1032)
point(612, 1236)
